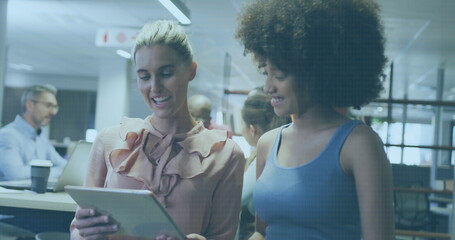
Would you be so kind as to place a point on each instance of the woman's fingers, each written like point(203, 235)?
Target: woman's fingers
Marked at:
point(92, 221)
point(97, 232)
point(92, 226)
point(84, 213)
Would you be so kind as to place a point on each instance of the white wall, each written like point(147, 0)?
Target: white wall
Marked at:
point(112, 95)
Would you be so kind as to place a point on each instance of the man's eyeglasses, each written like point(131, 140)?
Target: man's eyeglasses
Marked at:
point(48, 105)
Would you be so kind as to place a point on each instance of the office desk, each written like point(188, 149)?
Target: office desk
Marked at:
point(422, 190)
point(48, 201)
point(38, 212)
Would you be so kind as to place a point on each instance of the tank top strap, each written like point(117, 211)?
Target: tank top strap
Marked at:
point(274, 151)
point(342, 134)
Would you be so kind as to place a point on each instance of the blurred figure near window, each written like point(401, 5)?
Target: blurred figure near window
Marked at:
point(201, 108)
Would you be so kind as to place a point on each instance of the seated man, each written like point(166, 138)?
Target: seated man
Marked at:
point(200, 108)
point(22, 140)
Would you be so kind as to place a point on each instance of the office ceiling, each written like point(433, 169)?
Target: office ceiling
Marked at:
point(58, 37)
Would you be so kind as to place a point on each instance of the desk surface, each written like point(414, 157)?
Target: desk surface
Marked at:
point(422, 190)
point(446, 211)
point(48, 201)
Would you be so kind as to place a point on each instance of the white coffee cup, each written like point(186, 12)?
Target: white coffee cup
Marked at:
point(40, 170)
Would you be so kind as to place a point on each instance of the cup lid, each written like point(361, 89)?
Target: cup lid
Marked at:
point(41, 163)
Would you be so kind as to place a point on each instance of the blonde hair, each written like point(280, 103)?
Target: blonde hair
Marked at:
point(164, 32)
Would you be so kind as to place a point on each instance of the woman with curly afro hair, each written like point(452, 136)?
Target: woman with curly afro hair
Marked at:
point(324, 176)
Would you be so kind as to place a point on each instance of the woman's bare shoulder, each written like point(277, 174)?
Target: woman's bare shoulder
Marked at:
point(264, 145)
point(364, 134)
point(267, 139)
point(364, 141)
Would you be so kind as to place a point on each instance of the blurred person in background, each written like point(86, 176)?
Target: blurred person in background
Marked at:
point(201, 109)
point(258, 117)
point(23, 140)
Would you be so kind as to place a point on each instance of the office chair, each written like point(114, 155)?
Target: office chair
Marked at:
point(412, 210)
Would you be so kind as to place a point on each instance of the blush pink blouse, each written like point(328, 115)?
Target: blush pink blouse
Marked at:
point(197, 176)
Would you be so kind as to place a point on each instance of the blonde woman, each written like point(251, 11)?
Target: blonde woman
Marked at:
point(196, 173)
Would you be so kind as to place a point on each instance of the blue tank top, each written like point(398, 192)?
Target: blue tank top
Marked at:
point(314, 201)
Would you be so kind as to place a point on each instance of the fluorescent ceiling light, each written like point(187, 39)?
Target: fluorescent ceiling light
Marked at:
point(20, 66)
point(178, 9)
point(124, 54)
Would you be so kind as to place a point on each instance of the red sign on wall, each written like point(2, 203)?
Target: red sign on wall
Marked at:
point(116, 37)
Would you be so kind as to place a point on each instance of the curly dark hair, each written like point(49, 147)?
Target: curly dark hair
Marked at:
point(335, 48)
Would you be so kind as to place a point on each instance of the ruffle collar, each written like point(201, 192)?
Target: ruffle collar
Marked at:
point(160, 160)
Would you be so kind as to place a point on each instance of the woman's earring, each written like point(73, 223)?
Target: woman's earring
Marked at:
point(252, 130)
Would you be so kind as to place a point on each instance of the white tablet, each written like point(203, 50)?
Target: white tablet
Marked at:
point(137, 212)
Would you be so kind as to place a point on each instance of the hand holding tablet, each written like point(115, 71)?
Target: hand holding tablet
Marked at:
point(136, 212)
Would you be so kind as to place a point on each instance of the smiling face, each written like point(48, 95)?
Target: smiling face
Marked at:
point(162, 78)
point(280, 86)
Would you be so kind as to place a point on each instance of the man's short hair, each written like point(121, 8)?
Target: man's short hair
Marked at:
point(33, 92)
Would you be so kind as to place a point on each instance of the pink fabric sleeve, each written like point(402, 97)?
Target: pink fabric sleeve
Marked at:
point(96, 173)
point(225, 213)
point(97, 170)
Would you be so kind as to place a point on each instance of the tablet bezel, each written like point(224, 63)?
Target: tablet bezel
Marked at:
point(129, 208)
